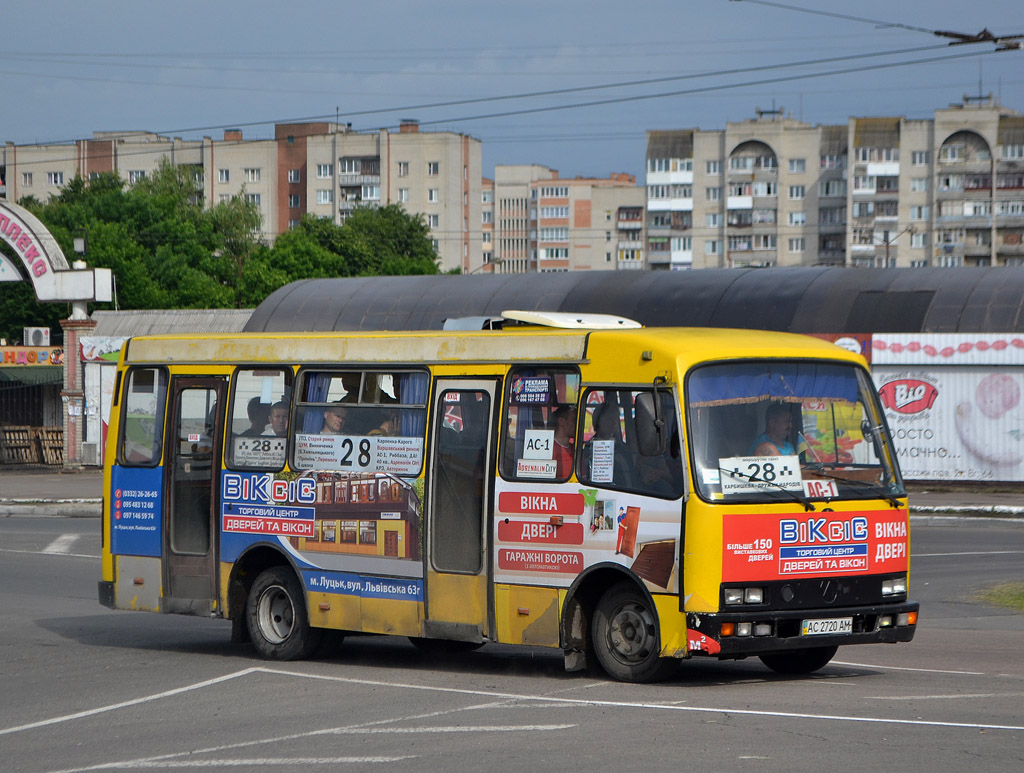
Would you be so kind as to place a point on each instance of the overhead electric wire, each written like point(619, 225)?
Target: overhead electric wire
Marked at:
point(592, 103)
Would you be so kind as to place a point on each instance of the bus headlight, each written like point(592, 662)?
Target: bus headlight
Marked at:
point(897, 586)
point(733, 595)
point(743, 595)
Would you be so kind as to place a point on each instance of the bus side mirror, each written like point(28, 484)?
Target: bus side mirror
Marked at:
point(650, 427)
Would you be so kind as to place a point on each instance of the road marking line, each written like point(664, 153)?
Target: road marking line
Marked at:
point(236, 763)
point(62, 544)
point(944, 697)
point(646, 705)
point(969, 553)
point(44, 553)
point(125, 704)
point(907, 668)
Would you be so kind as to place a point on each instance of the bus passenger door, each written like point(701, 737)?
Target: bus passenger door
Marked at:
point(190, 534)
point(461, 478)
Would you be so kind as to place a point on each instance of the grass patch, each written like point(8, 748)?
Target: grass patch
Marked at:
point(1005, 594)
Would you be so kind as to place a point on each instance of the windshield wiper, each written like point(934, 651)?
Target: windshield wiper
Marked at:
point(808, 507)
point(819, 469)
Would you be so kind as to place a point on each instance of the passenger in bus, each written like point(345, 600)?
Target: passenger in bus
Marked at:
point(259, 417)
point(564, 418)
point(390, 425)
point(335, 416)
point(774, 441)
point(278, 419)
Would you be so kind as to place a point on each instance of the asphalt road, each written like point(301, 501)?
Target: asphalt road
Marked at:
point(86, 688)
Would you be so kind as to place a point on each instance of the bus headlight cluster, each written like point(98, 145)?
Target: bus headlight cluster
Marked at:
point(897, 586)
point(901, 620)
point(744, 595)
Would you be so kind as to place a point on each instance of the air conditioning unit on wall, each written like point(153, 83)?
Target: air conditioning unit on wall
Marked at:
point(36, 336)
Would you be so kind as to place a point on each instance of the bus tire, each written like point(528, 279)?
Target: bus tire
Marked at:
point(799, 661)
point(625, 636)
point(278, 622)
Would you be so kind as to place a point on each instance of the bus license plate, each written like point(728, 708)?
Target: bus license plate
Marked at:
point(829, 626)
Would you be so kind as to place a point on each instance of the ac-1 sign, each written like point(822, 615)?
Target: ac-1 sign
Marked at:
point(821, 489)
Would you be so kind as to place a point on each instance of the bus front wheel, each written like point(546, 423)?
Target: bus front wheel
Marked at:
point(799, 661)
point(278, 623)
point(625, 637)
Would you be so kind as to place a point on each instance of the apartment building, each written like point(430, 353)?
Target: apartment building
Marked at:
point(878, 191)
point(533, 220)
point(320, 168)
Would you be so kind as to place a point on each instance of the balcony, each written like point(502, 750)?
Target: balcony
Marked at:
point(348, 180)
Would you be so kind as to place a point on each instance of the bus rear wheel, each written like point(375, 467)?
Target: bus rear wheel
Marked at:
point(278, 622)
point(625, 637)
point(799, 661)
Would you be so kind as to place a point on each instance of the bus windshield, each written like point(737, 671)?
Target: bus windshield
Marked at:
point(766, 431)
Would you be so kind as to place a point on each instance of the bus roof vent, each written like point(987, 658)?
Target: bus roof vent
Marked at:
point(568, 320)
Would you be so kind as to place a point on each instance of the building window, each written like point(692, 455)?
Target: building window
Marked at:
point(832, 161)
point(433, 221)
point(55, 178)
point(487, 197)
point(486, 237)
point(324, 196)
point(433, 168)
point(403, 168)
point(952, 153)
point(559, 192)
point(293, 224)
point(919, 240)
point(554, 212)
point(713, 194)
point(324, 171)
point(252, 175)
point(797, 165)
point(797, 245)
point(713, 219)
point(223, 176)
point(371, 193)
point(712, 246)
point(487, 216)
point(713, 167)
point(26, 179)
point(1013, 152)
point(253, 198)
point(798, 218)
point(294, 175)
point(403, 195)
point(919, 213)
point(797, 191)
point(919, 184)
point(433, 196)
point(919, 158)
point(293, 200)
point(134, 175)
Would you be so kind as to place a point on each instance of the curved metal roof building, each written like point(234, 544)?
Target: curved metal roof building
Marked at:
point(799, 300)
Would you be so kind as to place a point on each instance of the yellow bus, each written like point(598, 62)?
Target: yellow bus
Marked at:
point(634, 496)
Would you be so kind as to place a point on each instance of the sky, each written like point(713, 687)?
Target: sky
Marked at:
point(567, 84)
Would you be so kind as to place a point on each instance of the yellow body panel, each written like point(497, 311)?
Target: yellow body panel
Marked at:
point(457, 598)
point(527, 615)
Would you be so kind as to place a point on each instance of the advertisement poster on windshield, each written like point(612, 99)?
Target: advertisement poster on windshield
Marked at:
point(781, 547)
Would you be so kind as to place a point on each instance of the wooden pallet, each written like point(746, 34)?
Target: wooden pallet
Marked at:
point(18, 446)
point(51, 445)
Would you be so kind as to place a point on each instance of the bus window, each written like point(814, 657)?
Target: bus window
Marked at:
point(609, 455)
point(142, 425)
point(540, 433)
point(361, 421)
point(259, 419)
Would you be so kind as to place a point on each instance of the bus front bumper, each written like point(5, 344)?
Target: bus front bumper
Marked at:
point(738, 634)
